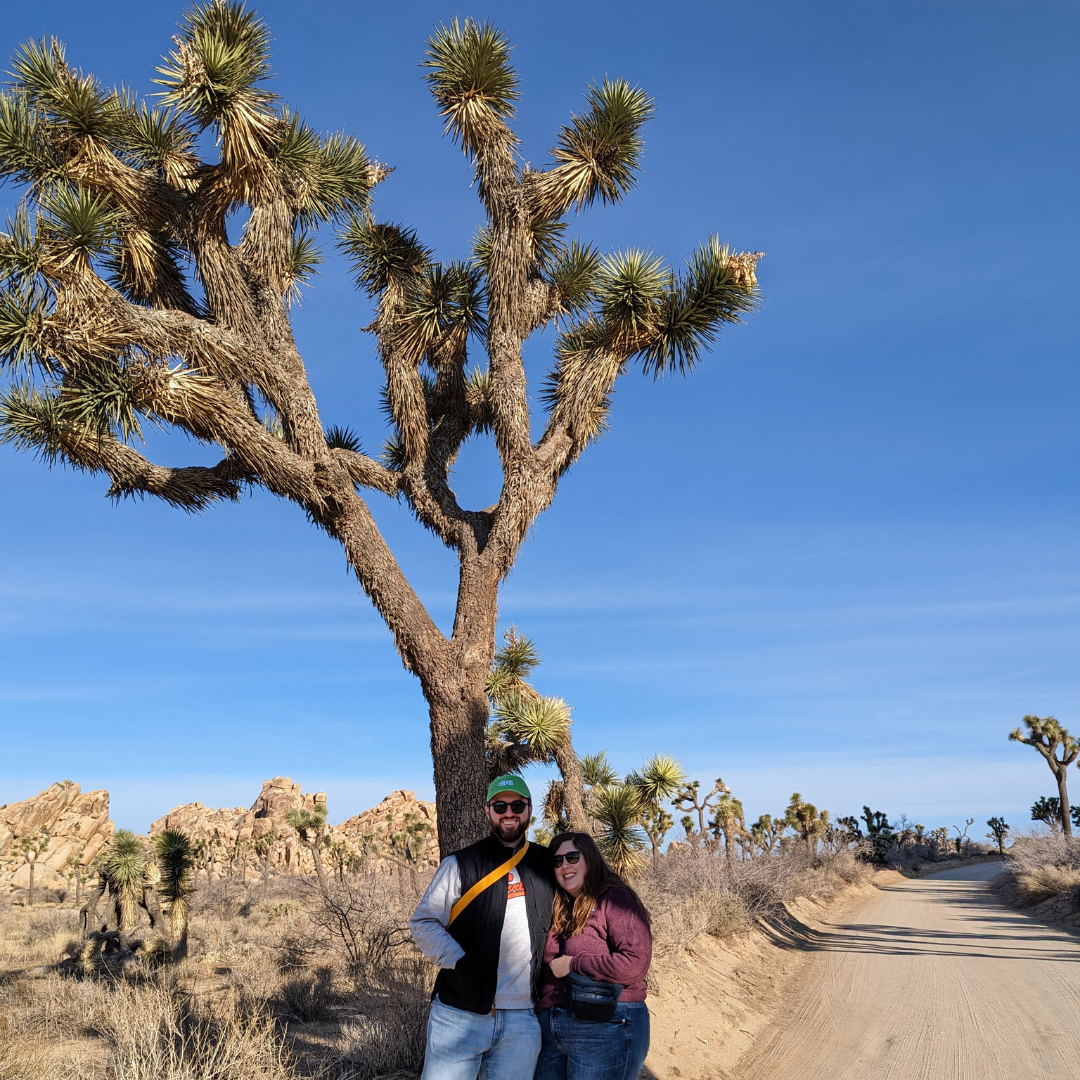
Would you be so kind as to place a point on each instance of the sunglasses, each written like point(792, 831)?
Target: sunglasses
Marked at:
point(572, 857)
point(517, 806)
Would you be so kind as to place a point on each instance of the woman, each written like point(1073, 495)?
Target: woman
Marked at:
point(600, 929)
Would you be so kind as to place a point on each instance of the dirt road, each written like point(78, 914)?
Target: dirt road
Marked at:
point(932, 980)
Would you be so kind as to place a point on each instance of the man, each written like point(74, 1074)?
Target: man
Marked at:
point(487, 937)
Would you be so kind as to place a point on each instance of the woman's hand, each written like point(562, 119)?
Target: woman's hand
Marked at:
point(560, 967)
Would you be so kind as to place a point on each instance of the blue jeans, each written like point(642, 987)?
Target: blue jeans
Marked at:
point(589, 1050)
point(478, 1046)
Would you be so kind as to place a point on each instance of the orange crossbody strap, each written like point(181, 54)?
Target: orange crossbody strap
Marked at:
point(487, 882)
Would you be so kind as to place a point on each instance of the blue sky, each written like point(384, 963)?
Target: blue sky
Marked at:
point(843, 558)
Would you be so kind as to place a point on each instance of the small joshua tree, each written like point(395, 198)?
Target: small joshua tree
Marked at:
point(998, 831)
point(962, 836)
point(309, 826)
point(30, 847)
point(176, 863)
point(729, 820)
point(1058, 749)
point(122, 301)
point(263, 846)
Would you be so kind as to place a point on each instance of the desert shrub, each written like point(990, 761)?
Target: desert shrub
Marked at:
point(21, 1057)
point(693, 891)
point(1046, 881)
point(159, 1032)
point(307, 996)
point(47, 924)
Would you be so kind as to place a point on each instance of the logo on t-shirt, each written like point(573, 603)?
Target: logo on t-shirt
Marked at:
point(514, 887)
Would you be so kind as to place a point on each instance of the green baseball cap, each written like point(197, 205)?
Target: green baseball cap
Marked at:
point(507, 784)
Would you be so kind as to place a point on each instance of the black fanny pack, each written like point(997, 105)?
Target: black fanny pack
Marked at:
point(590, 999)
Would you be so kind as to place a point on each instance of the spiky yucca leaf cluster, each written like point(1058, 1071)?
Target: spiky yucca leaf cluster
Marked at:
point(175, 858)
point(619, 809)
point(471, 80)
point(599, 151)
point(525, 727)
point(125, 867)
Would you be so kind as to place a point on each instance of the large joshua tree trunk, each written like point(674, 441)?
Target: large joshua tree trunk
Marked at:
point(1063, 797)
point(104, 330)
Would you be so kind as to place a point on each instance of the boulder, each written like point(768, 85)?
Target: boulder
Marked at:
point(77, 823)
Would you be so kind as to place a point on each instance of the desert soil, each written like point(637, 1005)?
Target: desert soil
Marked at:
point(932, 979)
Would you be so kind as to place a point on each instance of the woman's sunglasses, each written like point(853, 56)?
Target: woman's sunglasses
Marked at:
point(572, 857)
point(518, 806)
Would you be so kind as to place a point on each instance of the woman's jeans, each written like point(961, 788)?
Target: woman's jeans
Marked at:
point(590, 1050)
point(473, 1046)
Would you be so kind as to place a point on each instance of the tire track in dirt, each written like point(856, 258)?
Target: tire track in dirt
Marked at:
point(934, 979)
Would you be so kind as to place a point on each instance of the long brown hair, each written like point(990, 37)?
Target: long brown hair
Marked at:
point(569, 914)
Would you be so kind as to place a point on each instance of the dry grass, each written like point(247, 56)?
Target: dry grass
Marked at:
point(694, 891)
point(1042, 867)
point(281, 983)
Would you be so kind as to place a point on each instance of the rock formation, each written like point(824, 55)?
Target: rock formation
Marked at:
point(77, 825)
point(399, 831)
point(380, 832)
point(225, 838)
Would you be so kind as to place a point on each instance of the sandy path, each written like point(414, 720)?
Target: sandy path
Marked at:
point(932, 980)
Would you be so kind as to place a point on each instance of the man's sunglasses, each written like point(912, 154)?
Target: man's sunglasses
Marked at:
point(518, 806)
point(572, 857)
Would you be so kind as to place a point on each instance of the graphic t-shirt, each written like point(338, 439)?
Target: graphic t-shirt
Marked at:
point(514, 987)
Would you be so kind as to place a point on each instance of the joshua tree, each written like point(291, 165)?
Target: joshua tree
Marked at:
point(804, 818)
point(1049, 737)
point(998, 831)
point(618, 810)
point(657, 823)
point(766, 831)
point(122, 300)
point(30, 847)
point(263, 846)
point(124, 870)
point(728, 818)
point(1047, 809)
point(176, 864)
point(309, 826)
point(689, 799)
point(962, 836)
point(527, 727)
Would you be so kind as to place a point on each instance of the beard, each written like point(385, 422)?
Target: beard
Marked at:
point(510, 831)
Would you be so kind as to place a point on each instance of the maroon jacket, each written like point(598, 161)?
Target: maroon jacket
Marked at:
point(616, 946)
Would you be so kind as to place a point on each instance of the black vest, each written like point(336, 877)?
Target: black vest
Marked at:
point(470, 984)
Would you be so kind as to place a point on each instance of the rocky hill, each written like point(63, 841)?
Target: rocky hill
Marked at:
point(400, 832)
point(77, 824)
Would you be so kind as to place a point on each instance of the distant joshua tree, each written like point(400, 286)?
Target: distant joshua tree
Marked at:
point(309, 826)
point(999, 829)
point(1059, 750)
point(691, 799)
point(766, 832)
point(804, 818)
point(962, 836)
point(123, 300)
point(30, 847)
